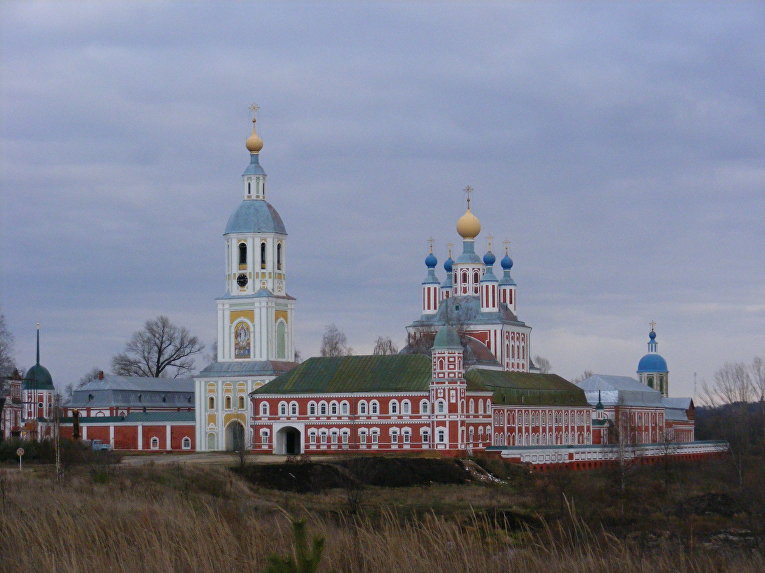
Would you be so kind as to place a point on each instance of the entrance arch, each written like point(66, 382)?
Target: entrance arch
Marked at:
point(288, 442)
point(234, 437)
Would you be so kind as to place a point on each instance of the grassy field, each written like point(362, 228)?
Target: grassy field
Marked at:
point(206, 518)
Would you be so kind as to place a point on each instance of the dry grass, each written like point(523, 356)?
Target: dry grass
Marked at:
point(206, 519)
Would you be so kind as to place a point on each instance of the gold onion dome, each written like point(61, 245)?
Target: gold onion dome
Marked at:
point(254, 143)
point(468, 226)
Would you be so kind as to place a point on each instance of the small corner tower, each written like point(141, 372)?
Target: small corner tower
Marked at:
point(447, 389)
point(652, 369)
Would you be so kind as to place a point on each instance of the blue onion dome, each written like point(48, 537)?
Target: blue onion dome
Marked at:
point(489, 259)
point(652, 335)
point(431, 261)
point(448, 265)
point(652, 363)
point(506, 262)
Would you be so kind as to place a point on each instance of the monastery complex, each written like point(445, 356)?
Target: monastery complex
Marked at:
point(464, 383)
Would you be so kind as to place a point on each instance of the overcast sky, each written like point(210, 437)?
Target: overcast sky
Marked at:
point(620, 147)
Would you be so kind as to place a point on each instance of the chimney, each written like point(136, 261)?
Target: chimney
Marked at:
point(100, 374)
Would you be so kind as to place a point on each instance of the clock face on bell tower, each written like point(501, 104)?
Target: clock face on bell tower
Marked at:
point(241, 280)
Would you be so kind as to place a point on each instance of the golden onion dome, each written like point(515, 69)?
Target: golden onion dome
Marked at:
point(254, 143)
point(468, 226)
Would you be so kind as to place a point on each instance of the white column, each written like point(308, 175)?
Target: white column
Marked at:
point(140, 436)
point(84, 432)
point(111, 435)
point(168, 443)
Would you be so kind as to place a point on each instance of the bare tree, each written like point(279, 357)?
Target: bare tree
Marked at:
point(543, 364)
point(334, 342)
point(384, 345)
point(90, 375)
point(668, 448)
point(7, 364)
point(734, 386)
point(731, 383)
point(159, 349)
point(583, 376)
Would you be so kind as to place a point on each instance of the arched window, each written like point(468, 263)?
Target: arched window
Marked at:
point(393, 407)
point(441, 436)
point(211, 402)
point(344, 408)
point(362, 408)
point(264, 438)
point(241, 402)
point(441, 407)
point(374, 407)
point(264, 408)
point(293, 409)
point(323, 409)
point(406, 407)
point(333, 408)
point(228, 402)
point(480, 406)
point(279, 257)
point(424, 407)
point(471, 434)
point(211, 441)
point(476, 278)
point(312, 408)
point(407, 435)
point(323, 436)
point(262, 255)
point(471, 406)
point(362, 437)
point(394, 436)
point(242, 253)
point(425, 437)
point(154, 443)
point(283, 408)
point(345, 435)
point(186, 443)
point(312, 436)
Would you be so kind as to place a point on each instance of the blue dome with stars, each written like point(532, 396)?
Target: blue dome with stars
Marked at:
point(506, 262)
point(431, 261)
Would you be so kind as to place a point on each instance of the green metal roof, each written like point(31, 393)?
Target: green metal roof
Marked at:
point(343, 374)
point(516, 388)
